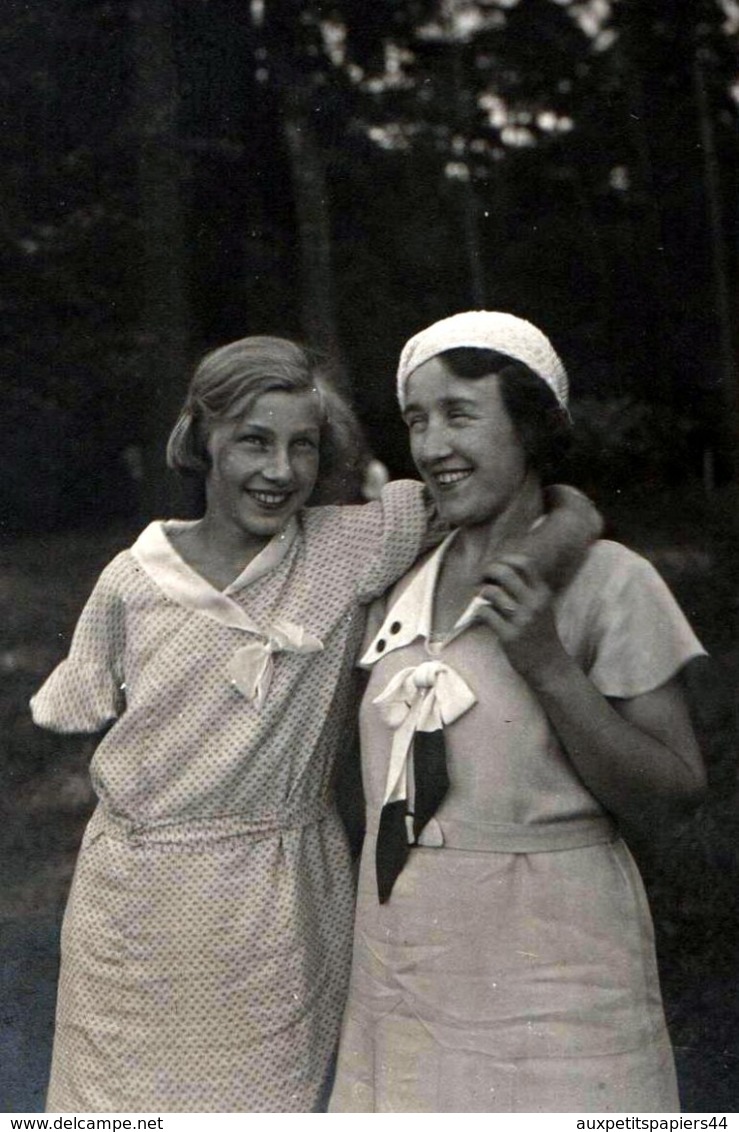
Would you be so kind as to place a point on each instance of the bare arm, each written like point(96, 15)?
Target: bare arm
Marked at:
point(560, 541)
point(628, 751)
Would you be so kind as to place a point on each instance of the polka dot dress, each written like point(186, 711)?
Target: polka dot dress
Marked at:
point(206, 943)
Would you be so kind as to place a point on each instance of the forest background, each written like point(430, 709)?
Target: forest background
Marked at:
point(175, 175)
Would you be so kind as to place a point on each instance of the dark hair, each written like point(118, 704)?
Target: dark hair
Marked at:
point(228, 381)
point(543, 426)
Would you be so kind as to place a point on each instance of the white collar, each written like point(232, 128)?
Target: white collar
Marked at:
point(168, 570)
point(411, 615)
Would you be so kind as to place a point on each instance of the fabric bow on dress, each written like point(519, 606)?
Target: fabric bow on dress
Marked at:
point(252, 665)
point(417, 704)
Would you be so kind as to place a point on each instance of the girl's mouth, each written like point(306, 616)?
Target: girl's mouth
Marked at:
point(450, 478)
point(270, 500)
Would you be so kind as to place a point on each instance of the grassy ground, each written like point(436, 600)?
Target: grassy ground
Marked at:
point(692, 871)
point(46, 796)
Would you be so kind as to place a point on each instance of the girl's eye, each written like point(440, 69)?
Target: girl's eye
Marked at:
point(253, 440)
point(415, 424)
point(306, 443)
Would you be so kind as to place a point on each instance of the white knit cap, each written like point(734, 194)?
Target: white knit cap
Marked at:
point(486, 330)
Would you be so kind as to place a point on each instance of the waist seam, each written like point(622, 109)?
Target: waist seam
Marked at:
point(214, 828)
point(546, 837)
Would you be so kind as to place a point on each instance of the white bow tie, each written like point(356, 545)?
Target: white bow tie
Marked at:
point(251, 666)
point(425, 698)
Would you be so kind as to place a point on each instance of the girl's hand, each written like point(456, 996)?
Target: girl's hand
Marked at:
point(519, 611)
point(375, 477)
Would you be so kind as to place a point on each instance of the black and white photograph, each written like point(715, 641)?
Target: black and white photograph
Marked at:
point(369, 557)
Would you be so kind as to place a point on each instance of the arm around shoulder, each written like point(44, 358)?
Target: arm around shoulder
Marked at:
point(388, 535)
point(559, 542)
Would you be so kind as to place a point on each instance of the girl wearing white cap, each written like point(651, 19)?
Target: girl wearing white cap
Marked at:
point(504, 956)
point(206, 944)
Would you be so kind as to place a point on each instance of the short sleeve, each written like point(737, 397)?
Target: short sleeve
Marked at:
point(388, 535)
point(640, 636)
point(87, 690)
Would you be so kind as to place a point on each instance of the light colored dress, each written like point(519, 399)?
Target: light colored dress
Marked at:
point(512, 968)
point(207, 939)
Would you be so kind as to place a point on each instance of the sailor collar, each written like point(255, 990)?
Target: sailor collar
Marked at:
point(411, 615)
point(157, 556)
point(251, 666)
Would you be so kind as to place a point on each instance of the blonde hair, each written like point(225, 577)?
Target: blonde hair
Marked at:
point(228, 381)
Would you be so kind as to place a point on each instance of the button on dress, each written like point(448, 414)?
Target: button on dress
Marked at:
point(206, 942)
point(512, 968)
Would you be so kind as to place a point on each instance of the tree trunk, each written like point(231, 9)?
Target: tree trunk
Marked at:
point(470, 206)
point(161, 267)
point(313, 218)
point(727, 417)
point(649, 238)
point(468, 198)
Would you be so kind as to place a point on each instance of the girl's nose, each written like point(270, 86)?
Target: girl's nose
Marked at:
point(278, 469)
point(435, 444)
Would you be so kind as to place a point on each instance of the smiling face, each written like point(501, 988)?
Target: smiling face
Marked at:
point(464, 444)
point(264, 464)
